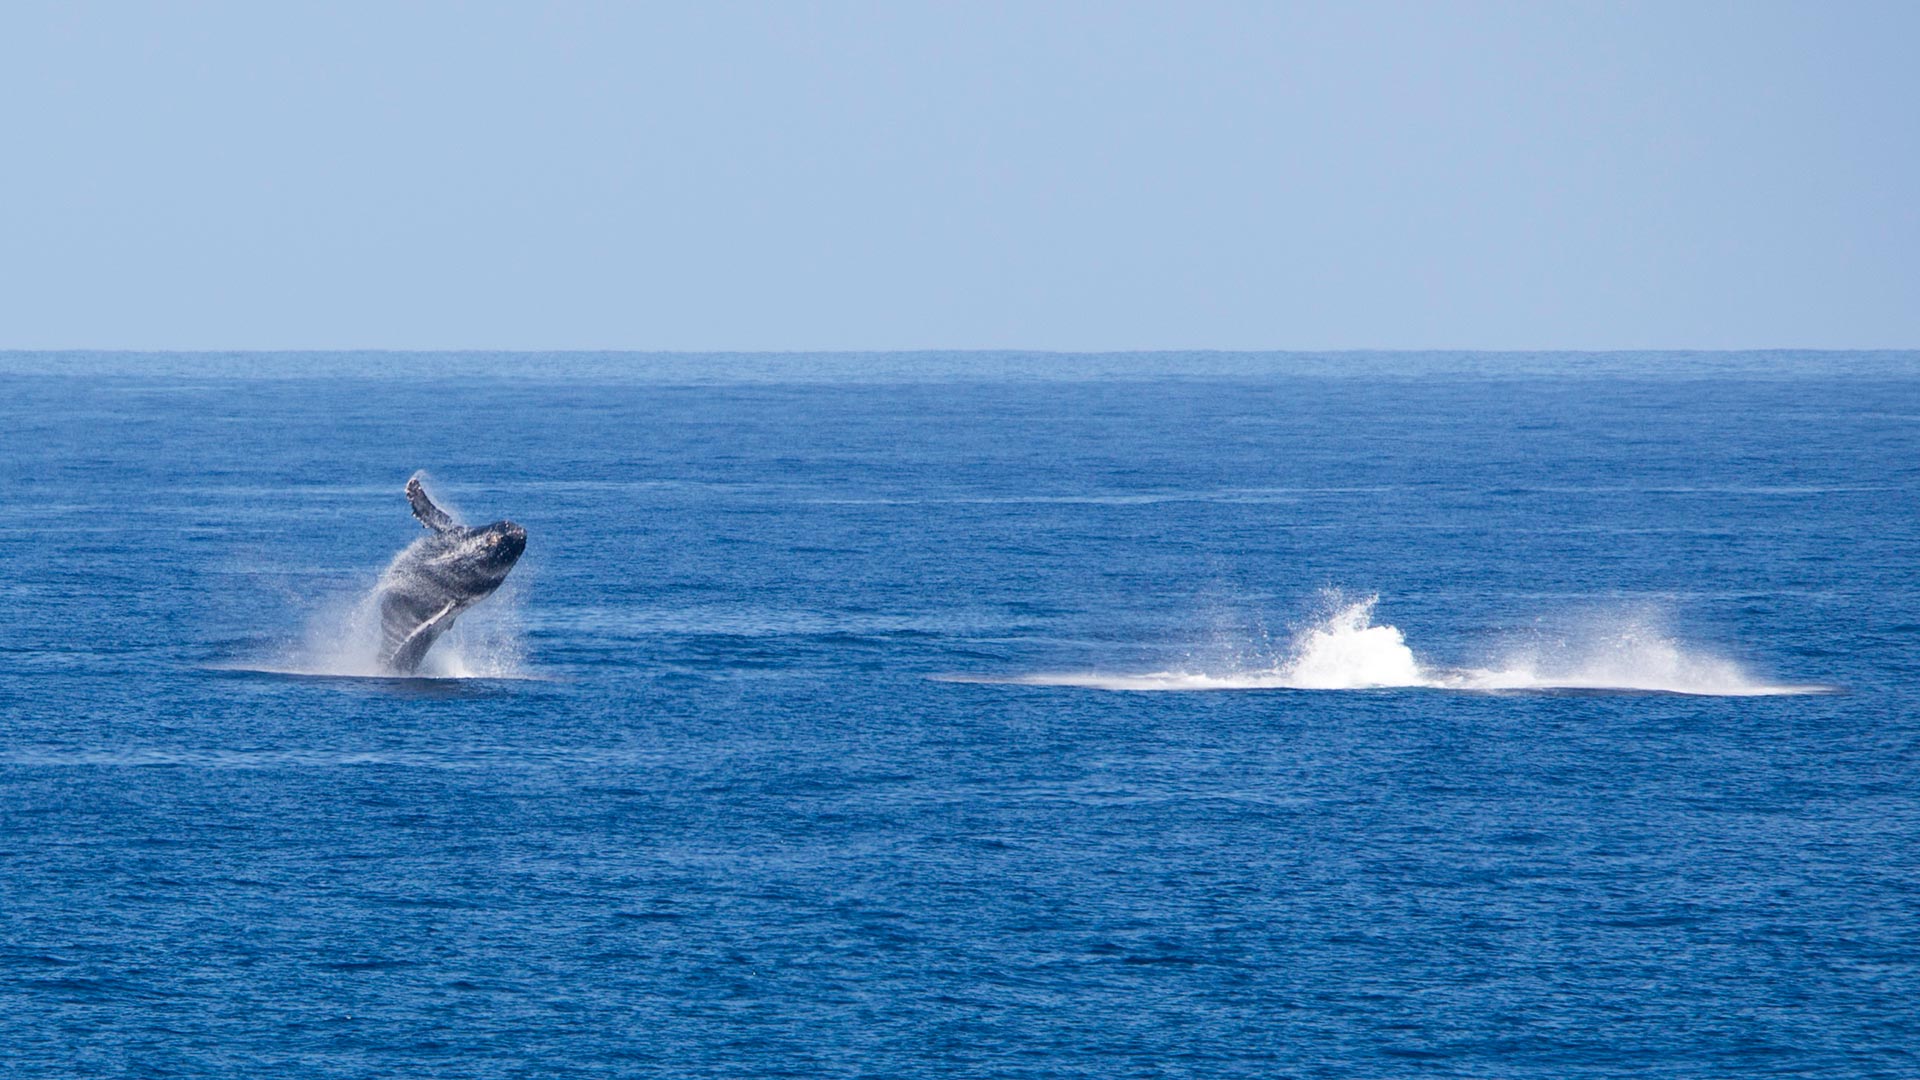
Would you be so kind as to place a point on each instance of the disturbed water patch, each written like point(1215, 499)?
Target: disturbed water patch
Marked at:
point(1344, 649)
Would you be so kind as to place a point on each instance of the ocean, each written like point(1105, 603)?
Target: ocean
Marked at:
point(942, 715)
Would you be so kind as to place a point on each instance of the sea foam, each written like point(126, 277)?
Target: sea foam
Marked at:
point(1344, 649)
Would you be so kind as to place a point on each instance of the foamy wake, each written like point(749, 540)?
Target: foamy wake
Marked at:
point(1345, 651)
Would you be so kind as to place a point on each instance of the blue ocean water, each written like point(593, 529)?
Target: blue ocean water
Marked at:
point(967, 715)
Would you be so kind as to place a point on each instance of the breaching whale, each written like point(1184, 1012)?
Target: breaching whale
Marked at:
point(439, 576)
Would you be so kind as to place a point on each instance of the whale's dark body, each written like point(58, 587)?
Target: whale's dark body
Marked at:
point(441, 575)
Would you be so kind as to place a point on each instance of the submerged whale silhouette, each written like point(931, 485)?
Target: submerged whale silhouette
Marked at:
point(439, 576)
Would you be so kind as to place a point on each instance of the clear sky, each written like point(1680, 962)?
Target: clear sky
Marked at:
point(967, 175)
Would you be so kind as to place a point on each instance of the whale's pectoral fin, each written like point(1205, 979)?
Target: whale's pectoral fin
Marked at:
point(430, 515)
point(409, 650)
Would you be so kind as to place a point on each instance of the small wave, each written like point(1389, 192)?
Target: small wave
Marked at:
point(1345, 650)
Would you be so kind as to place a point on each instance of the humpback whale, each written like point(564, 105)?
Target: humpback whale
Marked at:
point(439, 576)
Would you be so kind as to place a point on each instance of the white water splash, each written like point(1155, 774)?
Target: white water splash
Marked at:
point(343, 639)
point(1345, 650)
point(1629, 652)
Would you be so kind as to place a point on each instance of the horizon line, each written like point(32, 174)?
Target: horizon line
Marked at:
point(942, 351)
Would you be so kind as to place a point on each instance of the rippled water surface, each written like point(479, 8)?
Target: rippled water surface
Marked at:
point(967, 716)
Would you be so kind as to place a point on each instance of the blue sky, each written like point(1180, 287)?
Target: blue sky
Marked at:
point(969, 175)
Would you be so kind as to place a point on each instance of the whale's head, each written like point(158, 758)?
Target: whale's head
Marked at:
point(500, 546)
